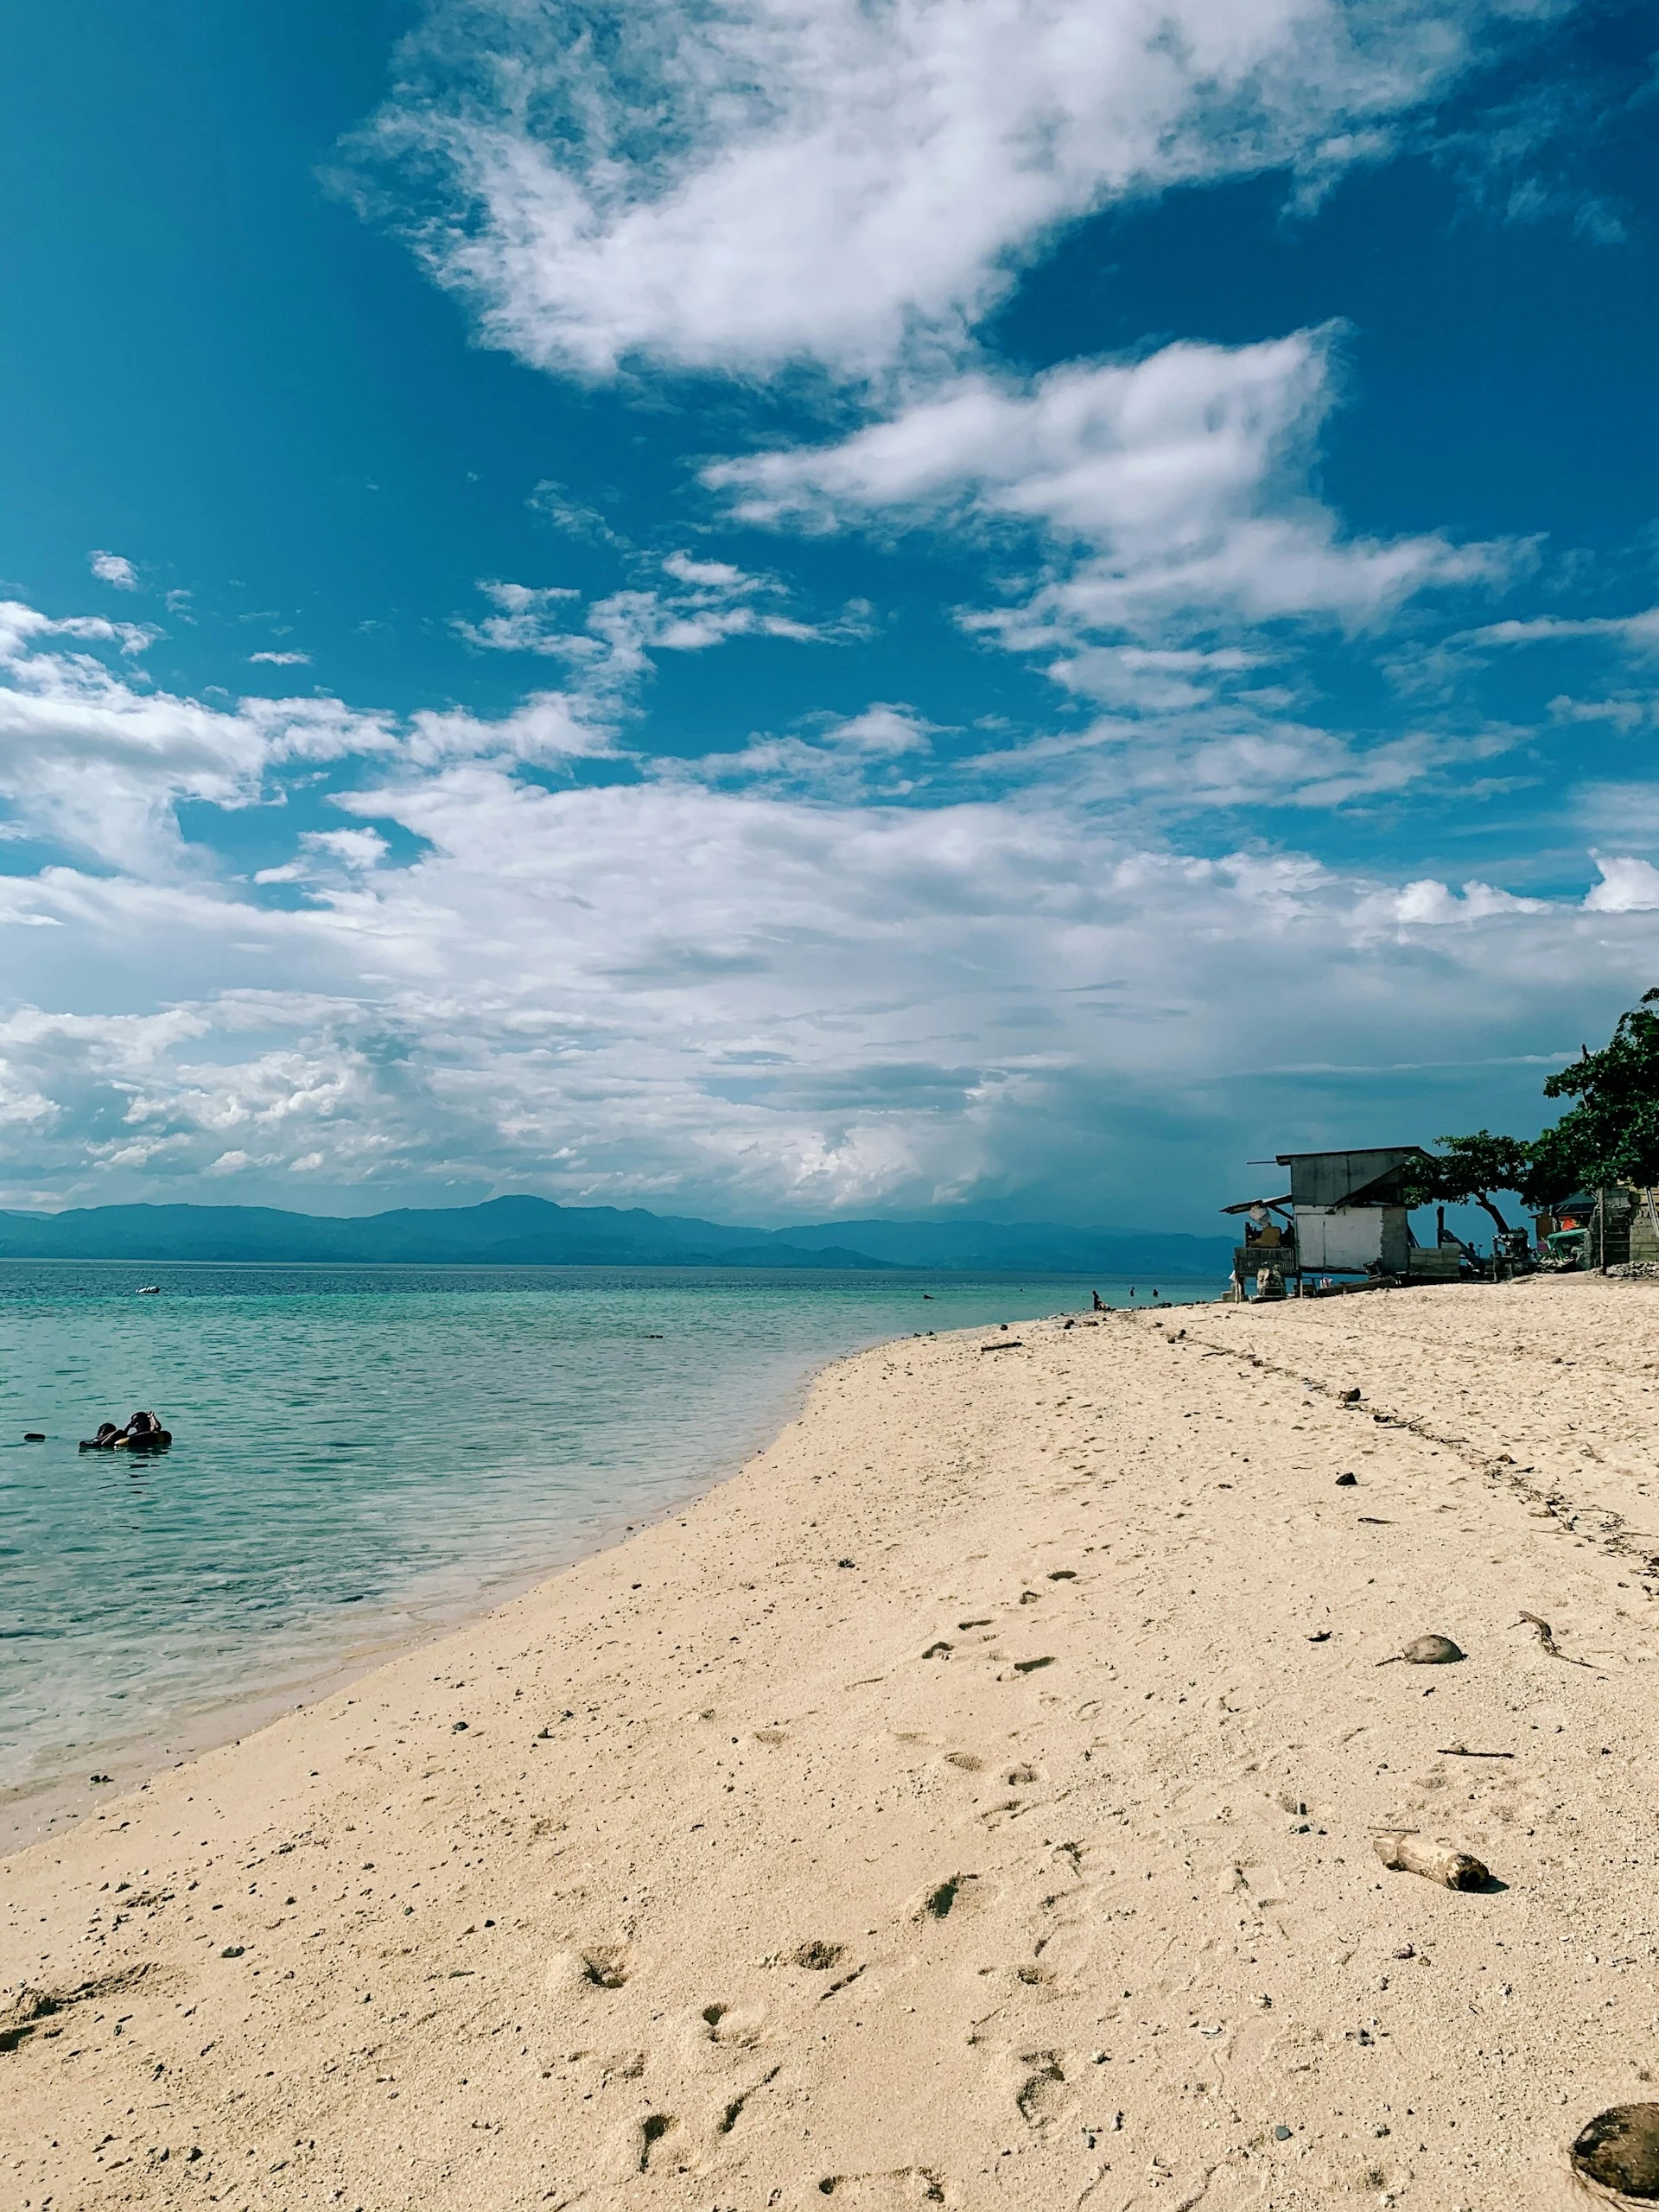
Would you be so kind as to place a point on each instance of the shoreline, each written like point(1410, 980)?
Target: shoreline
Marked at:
point(398, 1625)
point(30, 1812)
point(1008, 1733)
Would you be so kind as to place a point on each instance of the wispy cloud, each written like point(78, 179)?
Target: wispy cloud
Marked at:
point(1640, 632)
point(694, 604)
point(1171, 498)
point(283, 660)
point(775, 180)
point(113, 568)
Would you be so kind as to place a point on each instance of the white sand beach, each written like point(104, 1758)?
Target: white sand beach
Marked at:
point(972, 1802)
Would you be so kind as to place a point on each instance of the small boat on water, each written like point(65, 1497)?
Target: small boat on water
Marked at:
point(147, 1290)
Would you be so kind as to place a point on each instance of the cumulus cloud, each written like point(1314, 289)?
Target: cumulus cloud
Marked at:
point(1627, 885)
point(771, 1002)
point(113, 568)
point(322, 851)
point(1174, 491)
point(281, 660)
point(770, 180)
point(1428, 903)
point(93, 760)
point(1234, 759)
point(769, 981)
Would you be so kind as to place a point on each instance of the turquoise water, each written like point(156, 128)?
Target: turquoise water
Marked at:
point(362, 1455)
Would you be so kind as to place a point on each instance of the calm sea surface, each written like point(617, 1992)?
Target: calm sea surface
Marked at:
point(363, 1455)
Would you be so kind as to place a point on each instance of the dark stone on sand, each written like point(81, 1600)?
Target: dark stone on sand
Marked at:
point(1347, 1481)
point(1618, 2149)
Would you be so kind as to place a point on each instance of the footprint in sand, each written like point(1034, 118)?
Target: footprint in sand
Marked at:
point(1041, 2096)
point(816, 1956)
point(733, 2027)
point(652, 2129)
point(1008, 1809)
point(888, 2192)
point(942, 1899)
point(595, 1966)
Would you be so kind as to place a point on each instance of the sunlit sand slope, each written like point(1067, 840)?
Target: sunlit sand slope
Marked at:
point(971, 1804)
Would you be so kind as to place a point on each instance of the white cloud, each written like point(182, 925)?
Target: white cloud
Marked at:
point(878, 754)
point(1172, 490)
point(113, 568)
point(323, 852)
point(1151, 680)
point(773, 181)
point(1429, 904)
point(90, 759)
point(751, 981)
point(760, 1003)
point(283, 660)
point(96, 763)
point(547, 728)
point(882, 731)
point(702, 603)
point(1627, 885)
point(1640, 632)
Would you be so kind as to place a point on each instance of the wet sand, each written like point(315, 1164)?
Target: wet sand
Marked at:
point(971, 1802)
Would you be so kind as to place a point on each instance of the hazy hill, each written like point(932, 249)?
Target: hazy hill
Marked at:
point(534, 1232)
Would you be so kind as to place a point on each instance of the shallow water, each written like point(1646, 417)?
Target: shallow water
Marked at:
point(363, 1455)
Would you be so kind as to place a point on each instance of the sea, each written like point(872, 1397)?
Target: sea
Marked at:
point(362, 1458)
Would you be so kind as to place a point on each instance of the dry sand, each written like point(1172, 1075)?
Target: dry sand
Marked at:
point(969, 1803)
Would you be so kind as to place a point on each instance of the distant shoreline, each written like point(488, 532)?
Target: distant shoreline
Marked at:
point(883, 1273)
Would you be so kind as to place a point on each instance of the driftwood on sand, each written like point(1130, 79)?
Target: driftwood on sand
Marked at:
point(1406, 1854)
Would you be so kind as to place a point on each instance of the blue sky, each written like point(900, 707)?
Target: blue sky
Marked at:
point(801, 608)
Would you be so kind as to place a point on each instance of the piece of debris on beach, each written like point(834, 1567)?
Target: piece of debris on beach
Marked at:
point(1435, 1862)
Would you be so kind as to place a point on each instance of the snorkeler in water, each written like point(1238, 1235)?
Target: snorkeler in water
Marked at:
point(143, 1433)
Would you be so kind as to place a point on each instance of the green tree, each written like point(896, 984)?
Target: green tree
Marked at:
point(1471, 1167)
point(1613, 1135)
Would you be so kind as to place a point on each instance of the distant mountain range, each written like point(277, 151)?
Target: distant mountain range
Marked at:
point(534, 1232)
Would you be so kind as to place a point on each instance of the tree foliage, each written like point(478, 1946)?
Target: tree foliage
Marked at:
point(1471, 1167)
point(1611, 1135)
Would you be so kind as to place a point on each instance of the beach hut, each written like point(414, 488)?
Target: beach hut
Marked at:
point(1349, 1209)
point(1350, 1215)
point(1346, 1215)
